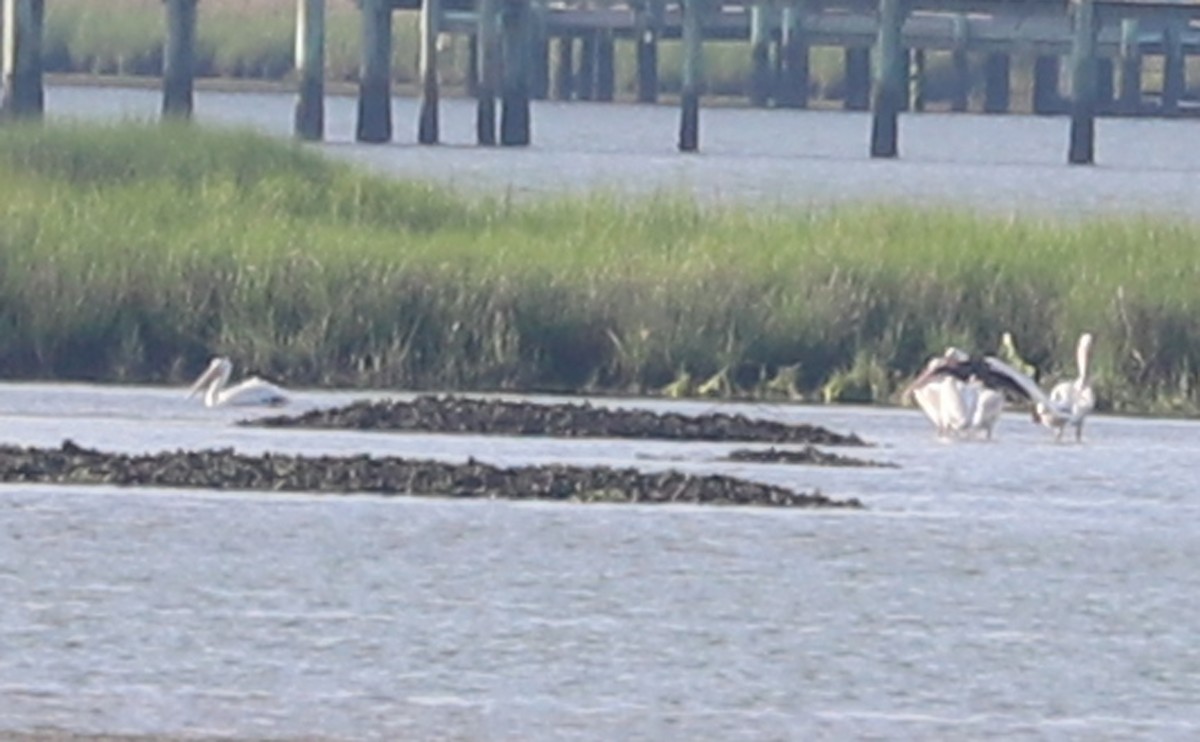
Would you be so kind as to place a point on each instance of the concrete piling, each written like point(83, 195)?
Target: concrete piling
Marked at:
point(24, 93)
point(179, 54)
point(374, 85)
point(309, 123)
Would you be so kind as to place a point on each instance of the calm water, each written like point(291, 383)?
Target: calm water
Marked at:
point(1016, 589)
point(1008, 164)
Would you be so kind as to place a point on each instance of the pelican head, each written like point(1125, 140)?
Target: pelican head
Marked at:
point(218, 371)
point(950, 357)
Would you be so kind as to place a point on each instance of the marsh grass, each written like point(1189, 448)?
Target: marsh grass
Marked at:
point(134, 253)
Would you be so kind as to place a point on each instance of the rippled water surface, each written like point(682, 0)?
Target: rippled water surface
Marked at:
point(1009, 164)
point(1013, 589)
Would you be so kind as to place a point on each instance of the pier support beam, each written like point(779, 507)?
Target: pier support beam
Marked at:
point(488, 33)
point(514, 97)
point(648, 27)
point(1106, 92)
point(24, 94)
point(585, 77)
point(1045, 85)
point(1129, 95)
point(996, 83)
point(794, 77)
point(564, 69)
point(1173, 72)
point(539, 53)
point(471, 73)
point(374, 84)
point(960, 65)
point(916, 80)
point(888, 92)
point(857, 79)
point(760, 55)
point(309, 122)
point(427, 128)
point(606, 66)
point(693, 76)
point(179, 54)
point(1083, 84)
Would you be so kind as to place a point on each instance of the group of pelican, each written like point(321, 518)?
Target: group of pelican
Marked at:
point(964, 395)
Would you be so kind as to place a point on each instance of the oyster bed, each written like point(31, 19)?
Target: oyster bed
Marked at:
point(225, 469)
point(808, 455)
point(453, 414)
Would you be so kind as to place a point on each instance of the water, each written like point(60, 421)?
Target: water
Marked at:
point(1014, 589)
point(1001, 164)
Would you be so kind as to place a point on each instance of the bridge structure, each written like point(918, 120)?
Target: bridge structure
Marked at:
point(884, 43)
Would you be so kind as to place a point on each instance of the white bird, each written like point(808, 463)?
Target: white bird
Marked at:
point(1071, 402)
point(956, 407)
point(251, 391)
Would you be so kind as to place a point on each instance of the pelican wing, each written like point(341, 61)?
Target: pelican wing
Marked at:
point(1018, 382)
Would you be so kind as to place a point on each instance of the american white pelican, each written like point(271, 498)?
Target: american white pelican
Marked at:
point(251, 391)
point(985, 406)
point(988, 371)
point(1071, 401)
point(959, 408)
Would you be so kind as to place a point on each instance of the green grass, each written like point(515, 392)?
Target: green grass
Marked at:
point(134, 253)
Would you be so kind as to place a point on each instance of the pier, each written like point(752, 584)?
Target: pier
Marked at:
point(528, 49)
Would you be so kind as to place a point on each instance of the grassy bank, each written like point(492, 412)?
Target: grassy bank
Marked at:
point(135, 253)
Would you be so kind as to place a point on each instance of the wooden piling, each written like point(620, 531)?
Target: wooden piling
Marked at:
point(1173, 71)
point(427, 69)
point(471, 73)
point(179, 59)
point(916, 80)
point(997, 85)
point(1083, 84)
point(585, 76)
point(24, 93)
point(309, 119)
point(1106, 95)
point(760, 54)
point(564, 69)
point(488, 33)
point(374, 85)
point(1129, 95)
point(693, 75)
point(1045, 84)
point(606, 70)
point(514, 94)
point(961, 87)
point(648, 27)
point(857, 79)
point(539, 52)
point(794, 80)
point(888, 90)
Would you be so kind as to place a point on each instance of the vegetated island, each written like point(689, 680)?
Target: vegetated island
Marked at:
point(226, 470)
point(459, 414)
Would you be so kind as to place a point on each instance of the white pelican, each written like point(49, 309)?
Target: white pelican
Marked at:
point(251, 391)
point(1071, 401)
point(988, 371)
point(955, 406)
